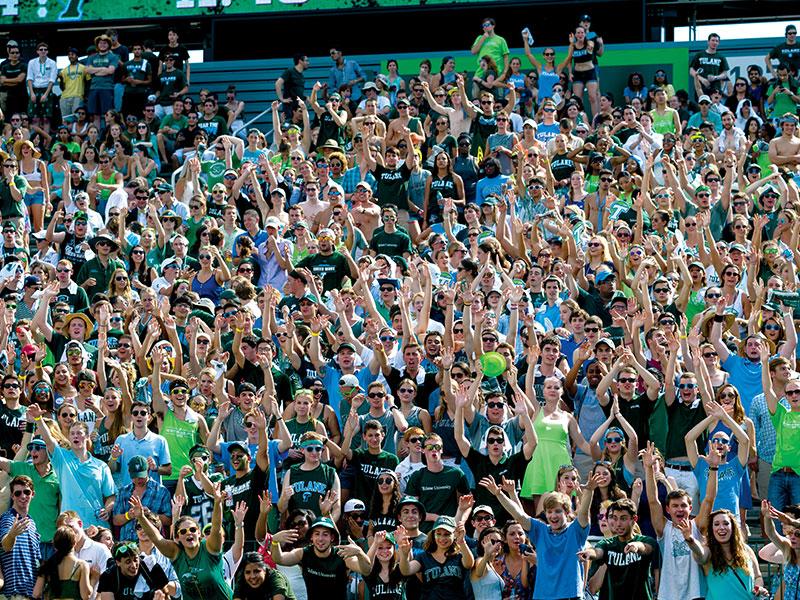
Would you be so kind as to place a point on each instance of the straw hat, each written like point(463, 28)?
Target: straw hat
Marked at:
point(18, 149)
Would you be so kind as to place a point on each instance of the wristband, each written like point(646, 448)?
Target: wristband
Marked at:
point(719, 318)
point(279, 418)
point(127, 515)
point(37, 418)
point(275, 543)
point(713, 468)
point(30, 428)
point(467, 303)
point(238, 330)
point(314, 334)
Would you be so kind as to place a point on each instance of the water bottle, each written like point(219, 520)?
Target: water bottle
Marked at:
point(527, 33)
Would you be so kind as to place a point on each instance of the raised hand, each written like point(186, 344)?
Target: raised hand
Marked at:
point(490, 484)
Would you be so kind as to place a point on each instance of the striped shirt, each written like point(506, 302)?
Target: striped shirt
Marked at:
point(22, 563)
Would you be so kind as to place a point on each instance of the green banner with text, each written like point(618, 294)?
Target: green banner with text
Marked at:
point(25, 12)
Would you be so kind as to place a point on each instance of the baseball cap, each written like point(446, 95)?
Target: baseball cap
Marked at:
point(354, 504)
point(138, 467)
point(482, 508)
point(704, 98)
point(240, 445)
point(349, 381)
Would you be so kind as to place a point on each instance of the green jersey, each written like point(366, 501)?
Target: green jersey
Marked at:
point(310, 486)
point(199, 505)
point(368, 466)
point(202, 577)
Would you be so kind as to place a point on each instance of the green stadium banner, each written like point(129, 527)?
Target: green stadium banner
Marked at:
point(24, 12)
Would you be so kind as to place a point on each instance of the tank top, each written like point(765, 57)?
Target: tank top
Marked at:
point(34, 176)
point(180, 436)
point(441, 188)
point(663, 123)
point(547, 79)
point(730, 584)
point(681, 576)
point(310, 486)
point(70, 589)
point(562, 166)
point(791, 581)
point(582, 55)
point(378, 589)
point(488, 587)
point(111, 179)
point(202, 577)
point(207, 289)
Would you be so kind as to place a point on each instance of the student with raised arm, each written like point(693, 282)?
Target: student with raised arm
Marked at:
point(729, 474)
point(680, 575)
point(783, 482)
point(197, 560)
point(557, 541)
point(496, 462)
point(788, 544)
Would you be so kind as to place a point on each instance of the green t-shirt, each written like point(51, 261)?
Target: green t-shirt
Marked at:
point(494, 46)
point(180, 436)
point(332, 268)
point(202, 577)
point(46, 504)
point(438, 492)
point(310, 486)
point(628, 575)
point(787, 446)
point(391, 244)
point(368, 466)
point(9, 207)
point(174, 122)
point(275, 584)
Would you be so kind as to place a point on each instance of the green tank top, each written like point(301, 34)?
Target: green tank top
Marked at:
point(310, 486)
point(663, 123)
point(110, 180)
point(297, 429)
point(202, 577)
point(180, 436)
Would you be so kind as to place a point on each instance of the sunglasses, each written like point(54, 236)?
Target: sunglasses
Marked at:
point(613, 440)
point(25, 492)
point(495, 440)
point(180, 390)
point(727, 395)
point(687, 386)
point(482, 518)
point(434, 447)
point(495, 405)
point(185, 530)
point(792, 392)
point(376, 394)
point(385, 481)
point(139, 413)
point(627, 380)
point(313, 448)
point(416, 440)
point(10, 386)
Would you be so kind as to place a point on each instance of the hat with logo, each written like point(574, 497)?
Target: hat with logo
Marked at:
point(138, 467)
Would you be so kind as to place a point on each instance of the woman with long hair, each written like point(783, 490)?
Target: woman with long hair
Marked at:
point(443, 563)
point(120, 285)
point(63, 576)
point(115, 422)
point(141, 275)
point(487, 583)
point(608, 489)
point(384, 581)
point(621, 455)
point(446, 75)
point(191, 555)
point(415, 416)
point(121, 158)
point(730, 565)
point(209, 280)
point(554, 430)
point(788, 542)
point(442, 184)
point(34, 171)
point(635, 88)
point(301, 422)
point(516, 565)
point(485, 82)
point(257, 580)
point(584, 70)
point(62, 384)
point(383, 505)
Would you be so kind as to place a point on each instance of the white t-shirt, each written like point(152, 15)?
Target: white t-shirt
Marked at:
point(96, 555)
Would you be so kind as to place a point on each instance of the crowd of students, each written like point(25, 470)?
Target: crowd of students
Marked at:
point(432, 338)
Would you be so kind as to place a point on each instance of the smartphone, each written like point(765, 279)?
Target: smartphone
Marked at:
point(525, 549)
point(219, 368)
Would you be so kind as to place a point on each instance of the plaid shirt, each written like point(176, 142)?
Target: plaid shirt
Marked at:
point(352, 177)
point(156, 498)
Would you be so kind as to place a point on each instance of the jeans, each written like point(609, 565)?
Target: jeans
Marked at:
point(119, 90)
point(784, 490)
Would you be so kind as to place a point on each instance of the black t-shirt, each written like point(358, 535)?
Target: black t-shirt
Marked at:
point(185, 137)
point(294, 84)
point(511, 467)
point(182, 55)
point(245, 489)
point(10, 71)
point(333, 268)
point(325, 577)
point(391, 185)
point(123, 587)
point(71, 250)
point(10, 432)
point(637, 412)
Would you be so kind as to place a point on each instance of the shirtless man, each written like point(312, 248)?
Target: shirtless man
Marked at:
point(366, 213)
point(405, 120)
point(312, 205)
point(784, 151)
